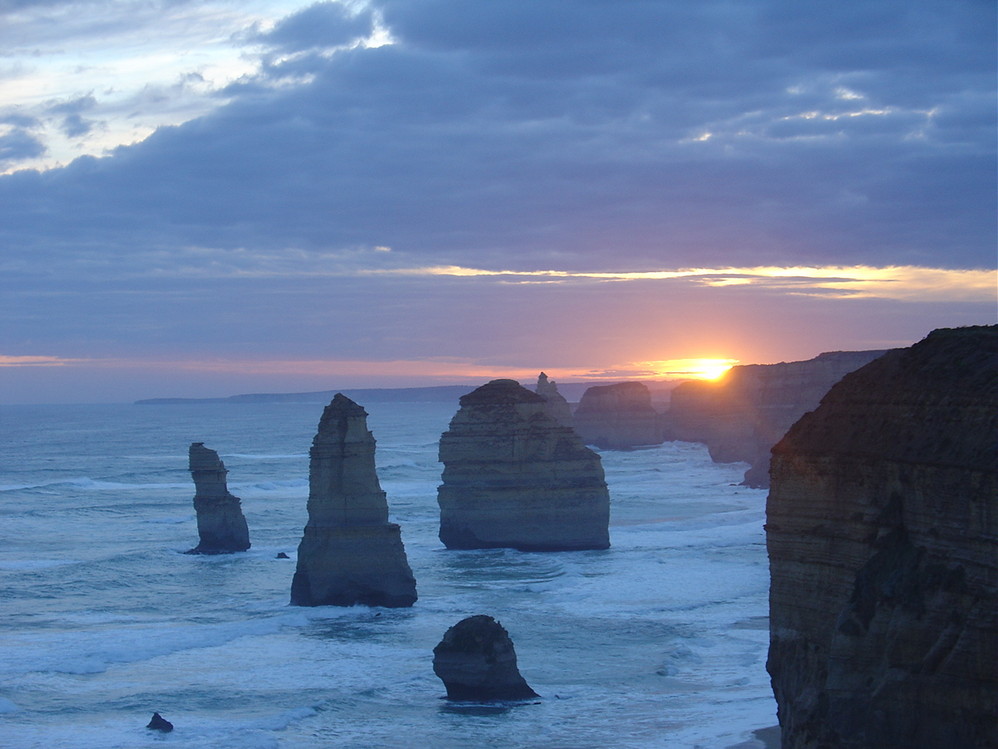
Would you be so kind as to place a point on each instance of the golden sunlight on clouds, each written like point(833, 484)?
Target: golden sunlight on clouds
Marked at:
point(37, 361)
point(902, 283)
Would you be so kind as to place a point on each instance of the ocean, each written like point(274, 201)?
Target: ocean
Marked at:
point(659, 641)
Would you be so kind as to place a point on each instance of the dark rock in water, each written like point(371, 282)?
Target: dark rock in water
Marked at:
point(476, 662)
point(882, 524)
point(515, 478)
point(557, 407)
point(618, 417)
point(159, 723)
point(221, 525)
point(282, 555)
point(742, 415)
point(349, 554)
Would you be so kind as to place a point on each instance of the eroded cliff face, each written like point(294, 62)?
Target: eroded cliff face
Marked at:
point(741, 416)
point(222, 526)
point(349, 553)
point(882, 530)
point(515, 478)
point(618, 417)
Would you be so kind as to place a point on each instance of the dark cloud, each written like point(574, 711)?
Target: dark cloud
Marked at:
point(318, 26)
point(17, 145)
point(595, 135)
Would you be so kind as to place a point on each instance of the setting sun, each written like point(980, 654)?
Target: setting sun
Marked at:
point(698, 369)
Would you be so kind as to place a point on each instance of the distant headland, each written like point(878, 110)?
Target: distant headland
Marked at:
point(434, 393)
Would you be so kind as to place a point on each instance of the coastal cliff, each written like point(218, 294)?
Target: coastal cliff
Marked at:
point(222, 526)
point(741, 416)
point(515, 478)
point(882, 531)
point(349, 553)
point(618, 417)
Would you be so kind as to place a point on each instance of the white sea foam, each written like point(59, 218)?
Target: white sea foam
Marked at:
point(658, 641)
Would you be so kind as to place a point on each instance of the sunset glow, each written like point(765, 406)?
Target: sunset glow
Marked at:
point(696, 369)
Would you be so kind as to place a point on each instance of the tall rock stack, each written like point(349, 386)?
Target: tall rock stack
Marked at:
point(882, 529)
point(618, 417)
point(558, 407)
point(222, 527)
point(515, 478)
point(350, 554)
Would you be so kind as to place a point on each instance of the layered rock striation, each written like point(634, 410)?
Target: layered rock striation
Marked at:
point(349, 554)
point(882, 530)
point(741, 416)
point(515, 478)
point(618, 417)
point(476, 662)
point(222, 527)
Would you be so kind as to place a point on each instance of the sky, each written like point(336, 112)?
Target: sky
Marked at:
point(211, 197)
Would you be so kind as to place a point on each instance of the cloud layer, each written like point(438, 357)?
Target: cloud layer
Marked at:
point(581, 138)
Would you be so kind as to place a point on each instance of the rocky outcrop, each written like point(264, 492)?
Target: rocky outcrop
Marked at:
point(222, 527)
point(742, 415)
point(350, 553)
point(557, 406)
point(618, 417)
point(159, 723)
point(514, 477)
point(882, 530)
point(476, 662)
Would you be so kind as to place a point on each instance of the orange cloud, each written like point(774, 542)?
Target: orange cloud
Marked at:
point(898, 282)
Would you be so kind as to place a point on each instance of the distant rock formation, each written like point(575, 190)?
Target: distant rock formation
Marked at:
point(159, 723)
point(618, 417)
point(476, 662)
point(222, 527)
point(514, 477)
point(558, 407)
point(882, 524)
point(741, 416)
point(350, 554)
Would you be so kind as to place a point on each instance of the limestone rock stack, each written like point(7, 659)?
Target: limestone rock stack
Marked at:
point(476, 661)
point(882, 530)
point(514, 477)
point(558, 407)
point(741, 416)
point(222, 527)
point(618, 417)
point(350, 553)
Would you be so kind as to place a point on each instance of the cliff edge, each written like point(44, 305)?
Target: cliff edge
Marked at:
point(882, 531)
point(742, 415)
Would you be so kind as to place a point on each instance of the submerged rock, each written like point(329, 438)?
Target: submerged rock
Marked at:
point(476, 662)
point(514, 477)
point(349, 553)
point(557, 405)
point(881, 527)
point(159, 723)
point(618, 417)
point(222, 527)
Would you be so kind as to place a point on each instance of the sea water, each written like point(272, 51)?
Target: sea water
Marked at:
point(659, 641)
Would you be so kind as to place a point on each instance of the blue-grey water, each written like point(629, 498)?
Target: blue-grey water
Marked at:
point(659, 641)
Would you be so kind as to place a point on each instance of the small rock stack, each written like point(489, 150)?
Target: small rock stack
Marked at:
point(222, 527)
point(476, 662)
